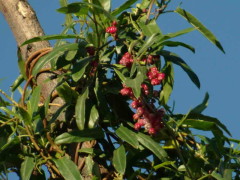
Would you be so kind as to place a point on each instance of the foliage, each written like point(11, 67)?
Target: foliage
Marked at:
point(116, 80)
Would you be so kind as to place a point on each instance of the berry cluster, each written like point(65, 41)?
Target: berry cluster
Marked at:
point(152, 122)
point(155, 76)
point(112, 29)
point(150, 59)
point(126, 60)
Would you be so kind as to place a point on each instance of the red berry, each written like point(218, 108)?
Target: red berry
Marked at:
point(155, 82)
point(136, 116)
point(125, 91)
point(140, 111)
point(160, 76)
point(137, 126)
point(144, 86)
point(111, 30)
point(135, 104)
point(152, 131)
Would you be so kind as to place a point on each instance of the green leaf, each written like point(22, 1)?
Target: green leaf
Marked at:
point(178, 33)
point(80, 109)
point(217, 176)
point(135, 83)
point(127, 135)
point(68, 18)
point(57, 52)
point(79, 136)
point(80, 8)
point(52, 37)
point(167, 83)
point(169, 56)
point(24, 116)
point(94, 117)
point(164, 165)
point(153, 146)
point(34, 100)
point(17, 83)
point(106, 4)
point(119, 159)
point(209, 119)
point(177, 43)
point(68, 168)
point(21, 63)
point(200, 108)
point(120, 75)
point(70, 55)
point(67, 93)
point(199, 124)
point(200, 27)
point(123, 7)
point(27, 167)
point(151, 27)
point(80, 67)
point(149, 42)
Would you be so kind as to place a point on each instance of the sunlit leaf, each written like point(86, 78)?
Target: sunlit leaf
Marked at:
point(80, 109)
point(153, 146)
point(80, 67)
point(68, 168)
point(52, 37)
point(57, 52)
point(79, 136)
point(167, 83)
point(94, 116)
point(200, 27)
point(127, 135)
point(119, 159)
point(27, 168)
point(123, 7)
point(34, 100)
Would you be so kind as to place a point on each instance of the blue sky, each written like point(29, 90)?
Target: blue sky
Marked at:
point(219, 73)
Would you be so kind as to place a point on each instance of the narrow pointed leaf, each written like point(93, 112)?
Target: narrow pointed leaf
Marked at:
point(119, 159)
point(80, 109)
point(149, 42)
point(127, 135)
point(135, 84)
point(177, 43)
point(79, 68)
point(200, 108)
point(27, 168)
point(169, 56)
point(200, 27)
point(167, 84)
point(52, 37)
point(123, 7)
point(17, 83)
point(34, 100)
point(57, 52)
point(153, 146)
point(68, 168)
point(94, 116)
point(79, 136)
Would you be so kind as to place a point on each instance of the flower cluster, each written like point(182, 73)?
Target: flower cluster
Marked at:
point(126, 60)
point(154, 76)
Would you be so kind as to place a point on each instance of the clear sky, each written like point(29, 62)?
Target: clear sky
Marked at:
point(219, 73)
